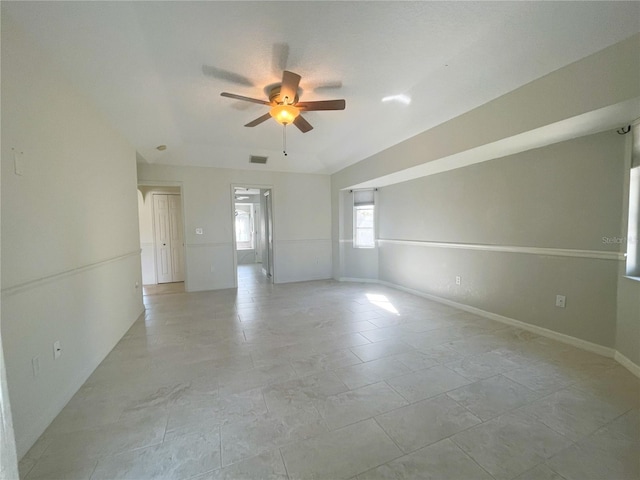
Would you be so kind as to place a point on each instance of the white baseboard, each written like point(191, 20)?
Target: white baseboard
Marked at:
point(358, 280)
point(544, 332)
point(628, 364)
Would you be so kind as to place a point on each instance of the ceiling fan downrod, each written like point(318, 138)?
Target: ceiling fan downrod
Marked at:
point(284, 139)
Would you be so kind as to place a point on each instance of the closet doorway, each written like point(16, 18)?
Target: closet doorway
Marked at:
point(161, 238)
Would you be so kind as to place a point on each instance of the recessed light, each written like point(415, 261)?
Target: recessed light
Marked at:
point(404, 99)
point(162, 148)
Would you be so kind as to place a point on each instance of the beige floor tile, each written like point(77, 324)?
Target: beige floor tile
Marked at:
point(617, 386)
point(319, 362)
point(301, 394)
point(416, 360)
point(426, 422)
point(384, 333)
point(484, 365)
point(186, 372)
point(182, 457)
point(433, 338)
point(366, 373)
point(493, 396)
point(540, 472)
point(441, 354)
point(253, 436)
point(267, 466)
point(573, 413)
point(109, 439)
point(440, 461)
point(356, 405)
point(427, 383)
point(340, 454)
point(67, 469)
point(209, 410)
point(541, 377)
point(606, 453)
point(234, 383)
point(340, 342)
point(381, 349)
point(511, 444)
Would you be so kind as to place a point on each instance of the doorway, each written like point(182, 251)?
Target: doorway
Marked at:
point(253, 235)
point(161, 237)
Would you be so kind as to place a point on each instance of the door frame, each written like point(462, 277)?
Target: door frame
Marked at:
point(232, 192)
point(164, 184)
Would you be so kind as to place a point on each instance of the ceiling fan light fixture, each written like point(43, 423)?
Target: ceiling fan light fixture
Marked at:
point(284, 114)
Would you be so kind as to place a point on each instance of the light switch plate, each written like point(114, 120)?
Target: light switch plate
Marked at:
point(18, 163)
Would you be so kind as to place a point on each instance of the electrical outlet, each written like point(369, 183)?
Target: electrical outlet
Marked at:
point(57, 350)
point(561, 301)
point(199, 231)
point(458, 280)
point(35, 364)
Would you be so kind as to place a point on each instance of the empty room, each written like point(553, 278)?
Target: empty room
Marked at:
point(320, 240)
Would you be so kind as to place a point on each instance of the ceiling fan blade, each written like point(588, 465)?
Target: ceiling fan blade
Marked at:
point(259, 120)
point(322, 105)
point(332, 85)
point(246, 99)
point(280, 57)
point(289, 88)
point(226, 75)
point(302, 124)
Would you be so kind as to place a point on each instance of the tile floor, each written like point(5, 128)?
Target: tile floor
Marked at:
point(327, 380)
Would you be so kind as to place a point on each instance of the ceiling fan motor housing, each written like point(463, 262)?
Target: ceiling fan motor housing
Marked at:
point(274, 97)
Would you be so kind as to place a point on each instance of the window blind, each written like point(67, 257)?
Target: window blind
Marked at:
point(362, 197)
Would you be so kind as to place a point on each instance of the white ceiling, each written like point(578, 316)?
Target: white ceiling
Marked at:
point(147, 67)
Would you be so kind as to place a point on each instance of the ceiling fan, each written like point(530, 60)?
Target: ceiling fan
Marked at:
point(285, 104)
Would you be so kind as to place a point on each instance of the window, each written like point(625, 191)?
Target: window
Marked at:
point(633, 230)
point(363, 219)
point(244, 226)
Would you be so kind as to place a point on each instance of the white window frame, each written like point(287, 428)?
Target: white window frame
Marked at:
point(364, 200)
point(633, 225)
point(250, 245)
point(632, 267)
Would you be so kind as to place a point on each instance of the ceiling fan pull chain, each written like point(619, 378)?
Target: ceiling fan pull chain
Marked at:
point(284, 139)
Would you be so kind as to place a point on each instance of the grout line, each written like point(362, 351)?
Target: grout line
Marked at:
point(286, 470)
point(469, 456)
point(220, 446)
point(95, 467)
point(392, 439)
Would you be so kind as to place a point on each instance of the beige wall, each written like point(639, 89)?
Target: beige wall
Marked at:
point(302, 222)
point(565, 196)
point(70, 246)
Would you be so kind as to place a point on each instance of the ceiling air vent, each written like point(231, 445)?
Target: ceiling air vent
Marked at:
point(257, 159)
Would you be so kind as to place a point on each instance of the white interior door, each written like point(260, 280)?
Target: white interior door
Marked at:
point(268, 213)
point(177, 242)
point(167, 216)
